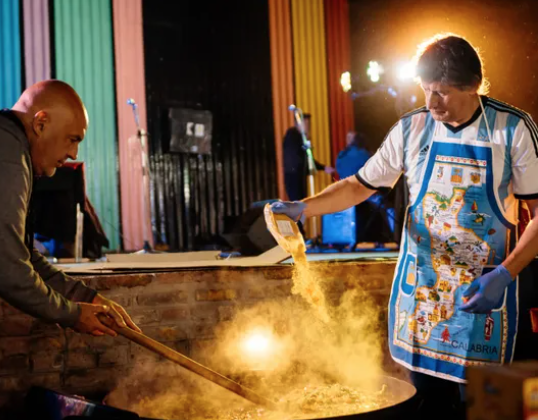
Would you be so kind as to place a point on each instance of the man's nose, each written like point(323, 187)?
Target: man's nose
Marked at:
point(73, 153)
point(432, 101)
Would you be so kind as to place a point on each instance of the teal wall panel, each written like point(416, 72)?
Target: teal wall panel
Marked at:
point(10, 53)
point(84, 58)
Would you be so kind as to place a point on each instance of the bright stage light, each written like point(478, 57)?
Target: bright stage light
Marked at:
point(374, 71)
point(406, 71)
point(345, 81)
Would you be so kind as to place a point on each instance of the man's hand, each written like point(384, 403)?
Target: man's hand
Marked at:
point(88, 322)
point(293, 209)
point(486, 291)
point(117, 313)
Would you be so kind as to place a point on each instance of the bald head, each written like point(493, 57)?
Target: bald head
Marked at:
point(55, 121)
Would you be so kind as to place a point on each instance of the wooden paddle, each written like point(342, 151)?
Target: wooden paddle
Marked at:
point(187, 363)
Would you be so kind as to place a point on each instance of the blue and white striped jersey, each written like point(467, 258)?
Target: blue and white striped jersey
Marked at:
point(514, 151)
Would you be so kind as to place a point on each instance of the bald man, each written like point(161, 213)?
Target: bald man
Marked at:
point(42, 130)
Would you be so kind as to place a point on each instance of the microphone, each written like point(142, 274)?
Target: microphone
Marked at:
point(292, 107)
point(132, 102)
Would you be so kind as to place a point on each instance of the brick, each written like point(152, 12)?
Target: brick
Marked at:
point(278, 273)
point(145, 317)
point(127, 280)
point(10, 346)
point(204, 312)
point(203, 331)
point(12, 383)
point(370, 282)
point(81, 359)
point(41, 327)
point(17, 363)
point(93, 380)
point(156, 299)
point(267, 292)
point(281, 290)
point(178, 277)
point(46, 361)
point(256, 293)
point(38, 344)
point(83, 341)
point(114, 356)
point(48, 380)
point(175, 314)
point(216, 295)
point(123, 300)
point(16, 326)
point(141, 355)
point(164, 333)
point(47, 353)
point(226, 313)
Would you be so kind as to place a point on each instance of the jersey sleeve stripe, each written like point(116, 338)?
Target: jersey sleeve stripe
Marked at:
point(529, 123)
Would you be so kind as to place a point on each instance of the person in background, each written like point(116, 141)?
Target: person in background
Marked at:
point(42, 130)
point(374, 219)
point(353, 157)
point(296, 162)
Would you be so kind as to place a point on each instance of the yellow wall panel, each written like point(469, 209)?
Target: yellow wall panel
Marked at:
point(310, 66)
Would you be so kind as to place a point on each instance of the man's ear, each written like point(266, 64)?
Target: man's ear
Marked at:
point(41, 118)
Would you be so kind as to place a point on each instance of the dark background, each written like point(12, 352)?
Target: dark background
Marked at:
point(506, 32)
point(210, 55)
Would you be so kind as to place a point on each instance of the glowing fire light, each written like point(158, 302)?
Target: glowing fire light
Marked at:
point(256, 343)
point(374, 71)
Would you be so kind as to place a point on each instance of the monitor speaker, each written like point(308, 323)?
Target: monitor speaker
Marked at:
point(249, 234)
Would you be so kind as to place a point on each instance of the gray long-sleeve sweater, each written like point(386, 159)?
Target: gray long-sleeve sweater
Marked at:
point(27, 280)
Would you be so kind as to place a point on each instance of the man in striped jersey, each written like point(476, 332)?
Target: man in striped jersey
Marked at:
point(468, 159)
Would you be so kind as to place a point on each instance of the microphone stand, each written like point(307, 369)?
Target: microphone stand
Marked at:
point(307, 146)
point(141, 135)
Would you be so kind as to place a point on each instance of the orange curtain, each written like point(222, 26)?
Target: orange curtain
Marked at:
point(338, 61)
point(282, 78)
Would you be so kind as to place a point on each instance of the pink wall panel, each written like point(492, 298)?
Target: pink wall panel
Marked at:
point(36, 41)
point(130, 83)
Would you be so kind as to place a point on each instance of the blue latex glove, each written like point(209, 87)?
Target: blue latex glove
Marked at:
point(486, 291)
point(293, 209)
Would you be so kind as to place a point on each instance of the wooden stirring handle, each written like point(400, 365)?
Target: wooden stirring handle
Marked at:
point(187, 363)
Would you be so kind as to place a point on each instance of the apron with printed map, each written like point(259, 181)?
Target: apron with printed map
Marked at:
point(455, 231)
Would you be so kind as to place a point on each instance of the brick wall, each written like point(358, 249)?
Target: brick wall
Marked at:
point(179, 309)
